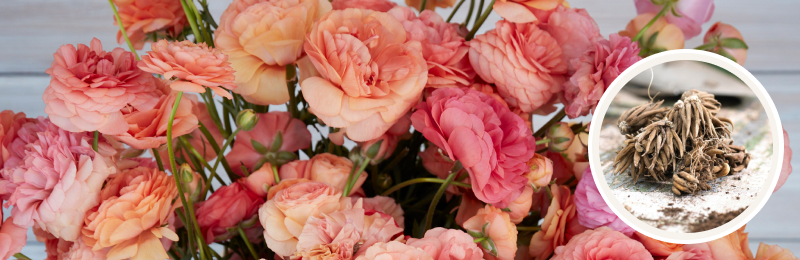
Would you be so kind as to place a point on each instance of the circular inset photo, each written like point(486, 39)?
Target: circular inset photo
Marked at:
point(686, 146)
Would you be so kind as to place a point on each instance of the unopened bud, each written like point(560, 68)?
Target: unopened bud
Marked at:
point(560, 136)
point(384, 181)
point(374, 149)
point(246, 119)
point(186, 173)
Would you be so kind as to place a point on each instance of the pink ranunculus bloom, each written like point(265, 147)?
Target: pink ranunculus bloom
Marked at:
point(786, 168)
point(54, 247)
point(693, 13)
point(691, 254)
point(262, 37)
point(286, 183)
point(195, 65)
point(442, 47)
point(521, 206)
point(134, 216)
point(58, 179)
point(375, 5)
point(773, 252)
point(228, 208)
point(440, 165)
point(79, 250)
point(560, 212)
point(720, 31)
point(344, 229)
point(468, 208)
point(657, 247)
point(523, 11)
point(10, 122)
point(284, 216)
point(524, 62)
point(369, 78)
point(148, 129)
point(593, 212)
point(501, 231)
point(602, 243)
point(384, 205)
point(734, 246)
point(491, 142)
point(398, 131)
point(394, 250)
point(448, 244)
point(595, 71)
point(575, 31)
point(12, 237)
point(144, 18)
point(88, 88)
point(294, 135)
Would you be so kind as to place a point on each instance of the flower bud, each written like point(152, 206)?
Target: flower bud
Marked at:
point(725, 40)
point(560, 136)
point(540, 171)
point(246, 119)
point(186, 173)
point(383, 181)
point(356, 156)
point(193, 183)
point(374, 149)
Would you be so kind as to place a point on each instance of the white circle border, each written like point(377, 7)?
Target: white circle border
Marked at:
point(762, 196)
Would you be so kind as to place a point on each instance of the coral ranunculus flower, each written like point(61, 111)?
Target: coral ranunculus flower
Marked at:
point(522, 11)
point(262, 37)
point(734, 246)
point(148, 129)
point(228, 208)
point(554, 226)
point(346, 229)
point(574, 30)
point(294, 136)
point(370, 75)
point(143, 18)
point(593, 212)
point(134, 215)
point(12, 237)
point(691, 14)
point(394, 250)
point(603, 243)
point(540, 171)
point(501, 231)
point(521, 206)
point(194, 64)
point(10, 122)
point(524, 61)
point(375, 5)
point(88, 88)
point(657, 247)
point(773, 252)
point(489, 140)
point(448, 244)
point(442, 47)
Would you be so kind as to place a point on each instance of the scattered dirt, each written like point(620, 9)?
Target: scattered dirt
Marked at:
point(714, 220)
point(671, 211)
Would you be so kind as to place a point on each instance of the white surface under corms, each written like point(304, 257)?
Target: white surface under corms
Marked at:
point(648, 199)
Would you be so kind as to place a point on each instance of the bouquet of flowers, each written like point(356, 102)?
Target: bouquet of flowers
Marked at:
point(187, 152)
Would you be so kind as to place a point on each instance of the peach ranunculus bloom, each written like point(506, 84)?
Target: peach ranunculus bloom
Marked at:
point(522, 60)
point(690, 14)
point(10, 122)
point(284, 215)
point(12, 237)
point(442, 47)
point(371, 75)
point(88, 88)
point(294, 136)
point(773, 252)
point(554, 226)
point(718, 33)
point(394, 250)
point(324, 167)
point(501, 233)
point(540, 171)
point(734, 246)
point(657, 247)
point(602, 243)
point(148, 129)
point(383, 205)
point(58, 179)
point(134, 215)
point(522, 11)
point(786, 168)
point(144, 18)
point(262, 37)
point(691, 254)
point(375, 5)
point(669, 36)
point(226, 209)
point(521, 206)
point(195, 65)
point(448, 244)
point(431, 4)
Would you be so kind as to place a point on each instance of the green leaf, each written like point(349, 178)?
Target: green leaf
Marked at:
point(559, 140)
point(733, 43)
point(277, 143)
point(259, 147)
point(707, 47)
point(652, 40)
point(726, 54)
point(373, 150)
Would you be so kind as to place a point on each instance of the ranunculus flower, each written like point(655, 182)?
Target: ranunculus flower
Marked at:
point(540, 171)
point(366, 84)
point(438, 164)
point(383, 205)
point(12, 237)
point(669, 36)
point(389, 140)
point(468, 208)
point(144, 18)
point(345, 229)
point(524, 61)
point(58, 179)
point(430, 5)
point(294, 136)
point(262, 37)
point(134, 215)
point(284, 216)
point(448, 244)
point(148, 129)
point(490, 141)
point(656, 247)
point(283, 185)
point(786, 168)
point(194, 64)
point(521, 206)
point(595, 71)
point(260, 180)
point(721, 37)
point(560, 212)
point(500, 231)
point(593, 212)
point(326, 168)
point(692, 254)
point(442, 47)
point(734, 246)
point(375, 5)
point(394, 251)
point(602, 243)
point(693, 13)
point(79, 250)
point(574, 30)
point(773, 252)
point(88, 88)
point(10, 122)
point(522, 11)
point(228, 208)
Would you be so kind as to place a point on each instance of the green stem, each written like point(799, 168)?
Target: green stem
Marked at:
point(275, 172)
point(198, 37)
point(543, 141)
point(157, 155)
point(469, 14)
point(225, 145)
point(480, 21)
point(122, 29)
point(453, 13)
point(21, 256)
point(95, 140)
point(214, 146)
point(422, 6)
point(661, 13)
point(421, 180)
point(202, 160)
point(354, 177)
point(557, 118)
point(436, 198)
point(480, 11)
point(247, 242)
point(211, 106)
point(519, 228)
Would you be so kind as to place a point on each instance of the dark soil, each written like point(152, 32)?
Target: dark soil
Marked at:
point(671, 211)
point(715, 219)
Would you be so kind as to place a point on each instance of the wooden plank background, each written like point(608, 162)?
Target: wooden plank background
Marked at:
point(31, 31)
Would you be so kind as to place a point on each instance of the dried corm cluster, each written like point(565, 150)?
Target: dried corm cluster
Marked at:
point(687, 141)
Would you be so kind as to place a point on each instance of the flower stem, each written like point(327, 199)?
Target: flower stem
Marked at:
point(247, 242)
point(421, 180)
point(453, 13)
point(202, 160)
point(354, 177)
point(557, 118)
point(214, 146)
point(469, 14)
point(225, 145)
point(519, 228)
point(543, 141)
point(480, 10)
point(436, 198)
point(157, 155)
point(21, 256)
point(661, 13)
point(422, 6)
point(122, 29)
point(480, 21)
point(95, 140)
point(275, 172)
point(192, 22)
